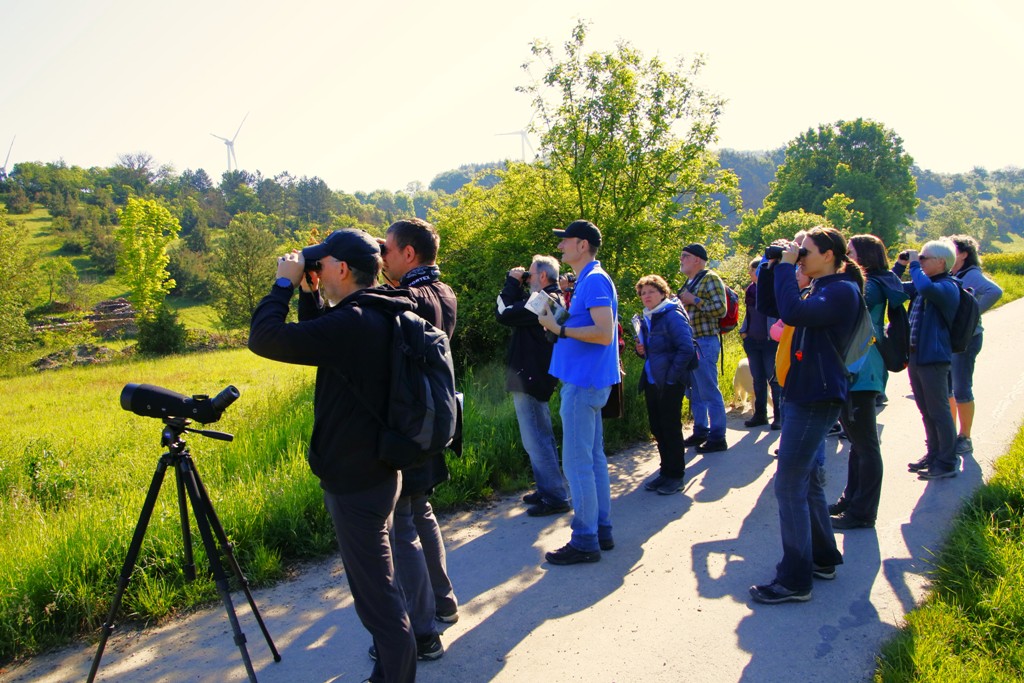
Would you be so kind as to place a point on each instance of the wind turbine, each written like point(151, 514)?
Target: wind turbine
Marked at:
point(230, 144)
point(524, 138)
point(3, 169)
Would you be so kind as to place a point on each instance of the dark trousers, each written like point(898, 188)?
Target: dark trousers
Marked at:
point(664, 413)
point(761, 357)
point(930, 384)
point(864, 471)
point(361, 522)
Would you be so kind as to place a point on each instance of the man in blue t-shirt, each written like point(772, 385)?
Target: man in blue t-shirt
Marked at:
point(586, 359)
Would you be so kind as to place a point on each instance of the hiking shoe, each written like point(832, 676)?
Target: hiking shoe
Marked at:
point(669, 486)
point(838, 507)
point(937, 471)
point(964, 446)
point(606, 543)
point(694, 440)
point(826, 572)
point(447, 617)
point(428, 649)
point(533, 498)
point(774, 593)
point(713, 446)
point(919, 465)
point(776, 425)
point(755, 422)
point(654, 482)
point(544, 508)
point(570, 555)
point(845, 520)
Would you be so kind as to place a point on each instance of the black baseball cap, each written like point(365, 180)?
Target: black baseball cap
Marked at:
point(584, 230)
point(344, 245)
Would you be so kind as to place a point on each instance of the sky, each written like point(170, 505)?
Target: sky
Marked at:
point(379, 95)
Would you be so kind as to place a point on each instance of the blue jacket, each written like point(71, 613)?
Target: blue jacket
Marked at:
point(879, 290)
point(824, 322)
point(668, 346)
point(940, 297)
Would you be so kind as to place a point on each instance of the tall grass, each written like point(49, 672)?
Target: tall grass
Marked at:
point(970, 627)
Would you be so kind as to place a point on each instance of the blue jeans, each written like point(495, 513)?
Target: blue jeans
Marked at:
point(962, 370)
point(539, 441)
point(807, 537)
point(761, 356)
point(585, 464)
point(706, 402)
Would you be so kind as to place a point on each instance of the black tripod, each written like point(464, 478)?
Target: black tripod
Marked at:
point(188, 481)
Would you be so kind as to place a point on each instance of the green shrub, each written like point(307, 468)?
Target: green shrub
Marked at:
point(1004, 263)
point(163, 335)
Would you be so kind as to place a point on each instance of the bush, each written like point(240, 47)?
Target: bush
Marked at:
point(163, 335)
point(1004, 263)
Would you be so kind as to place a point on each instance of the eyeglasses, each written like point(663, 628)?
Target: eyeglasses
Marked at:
point(925, 258)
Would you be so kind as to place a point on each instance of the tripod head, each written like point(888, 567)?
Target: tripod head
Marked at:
point(174, 427)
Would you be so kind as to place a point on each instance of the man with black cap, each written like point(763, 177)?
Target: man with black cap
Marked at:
point(704, 297)
point(344, 329)
point(586, 359)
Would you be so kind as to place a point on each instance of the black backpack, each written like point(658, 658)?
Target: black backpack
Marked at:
point(894, 344)
point(965, 320)
point(422, 406)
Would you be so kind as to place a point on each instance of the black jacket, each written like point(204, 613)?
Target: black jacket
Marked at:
point(529, 350)
point(349, 342)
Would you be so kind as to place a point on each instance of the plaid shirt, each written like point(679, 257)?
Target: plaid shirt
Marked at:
point(711, 303)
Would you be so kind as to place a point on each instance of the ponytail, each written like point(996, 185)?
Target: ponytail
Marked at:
point(856, 273)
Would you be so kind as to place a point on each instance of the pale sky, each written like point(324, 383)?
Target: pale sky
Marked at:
point(376, 95)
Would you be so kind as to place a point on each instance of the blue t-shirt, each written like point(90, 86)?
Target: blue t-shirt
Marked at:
point(585, 364)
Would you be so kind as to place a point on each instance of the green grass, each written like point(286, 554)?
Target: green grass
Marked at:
point(1014, 244)
point(970, 627)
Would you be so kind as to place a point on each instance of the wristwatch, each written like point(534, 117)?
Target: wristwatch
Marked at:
point(283, 282)
point(561, 332)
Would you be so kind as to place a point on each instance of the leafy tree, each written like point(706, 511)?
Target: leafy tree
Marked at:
point(958, 214)
point(15, 286)
point(146, 229)
point(61, 279)
point(244, 267)
point(753, 236)
point(860, 159)
point(607, 123)
point(839, 214)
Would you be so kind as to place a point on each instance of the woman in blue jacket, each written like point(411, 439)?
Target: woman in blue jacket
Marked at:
point(665, 340)
point(814, 382)
point(858, 506)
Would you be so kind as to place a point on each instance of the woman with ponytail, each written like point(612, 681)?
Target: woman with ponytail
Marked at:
point(813, 376)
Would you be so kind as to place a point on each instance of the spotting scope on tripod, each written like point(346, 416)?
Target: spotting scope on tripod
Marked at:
point(177, 412)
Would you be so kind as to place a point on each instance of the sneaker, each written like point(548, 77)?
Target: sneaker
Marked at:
point(428, 649)
point(543, 509)
point(447, 617)
point(654, 482)
point(937, 471)
point(669, 486)
point(919, 465)
point(880, 400)
point(533, 498)
point(713, 446)
point(776, 425)
point(774, 593)
point(694, 440)
point(964, 446)
point(826, 572)
point(838, 507)
point(606, 543)
point(846, 521)
point(570, 555)
point(755, 422)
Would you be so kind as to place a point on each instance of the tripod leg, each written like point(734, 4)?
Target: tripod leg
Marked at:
point(189, 563)
point(202, 515)
point(129, 560)
point(218, 530)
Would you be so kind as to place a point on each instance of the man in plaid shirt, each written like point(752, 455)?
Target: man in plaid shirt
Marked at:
point(704, 297)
